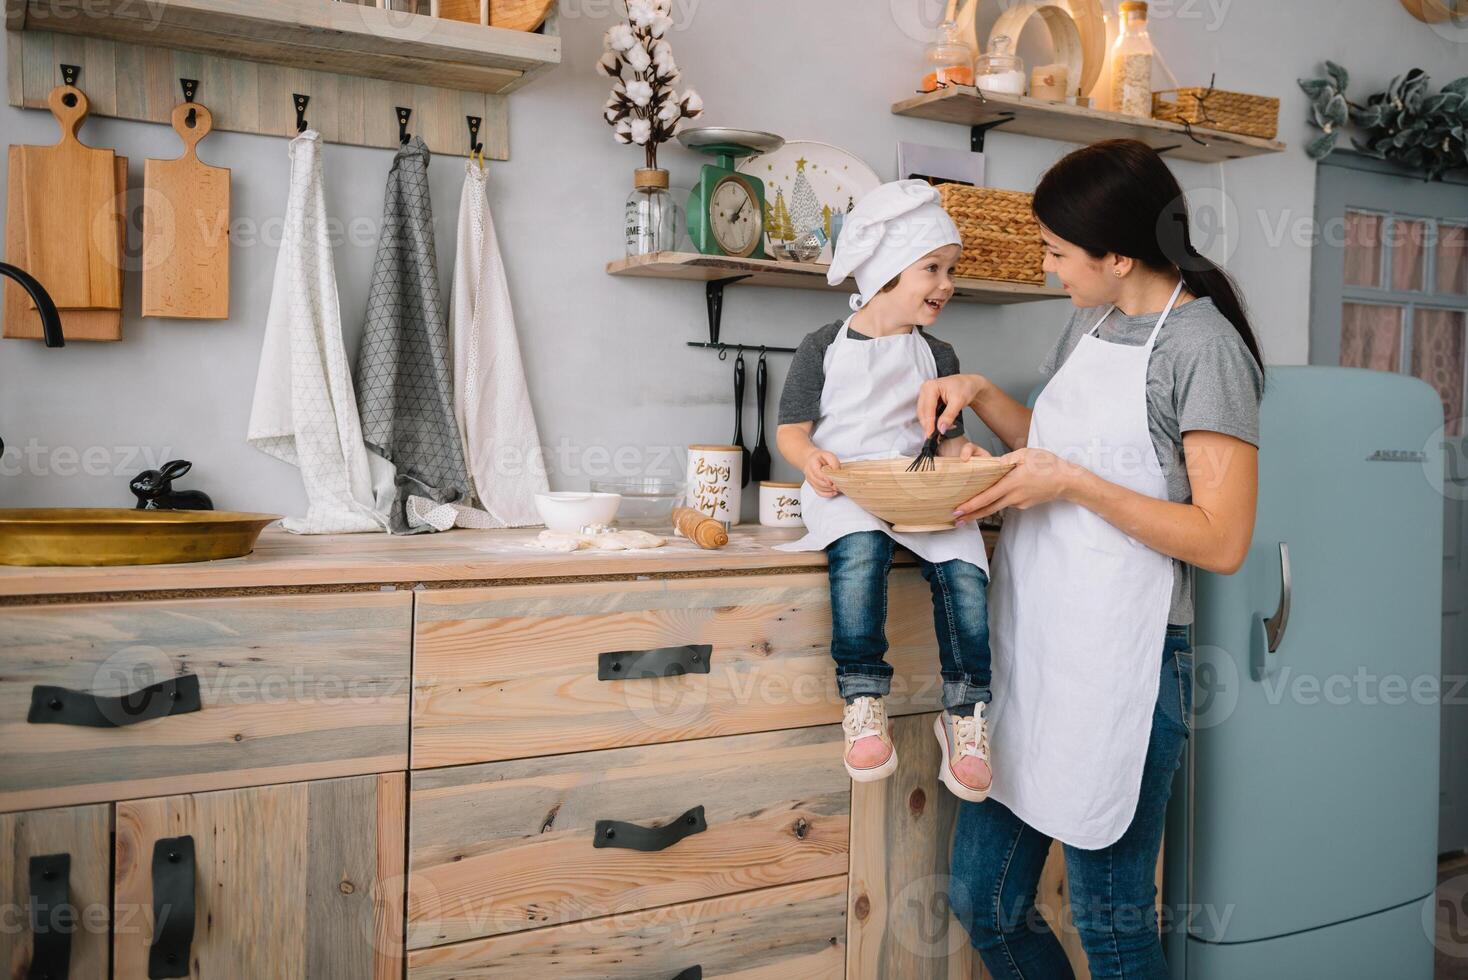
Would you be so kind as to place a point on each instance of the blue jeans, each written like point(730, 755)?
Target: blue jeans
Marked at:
point(859, 565)
point(997, 859)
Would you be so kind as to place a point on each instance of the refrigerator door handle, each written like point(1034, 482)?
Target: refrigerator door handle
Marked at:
point(1275, 625)
point(1268, 634)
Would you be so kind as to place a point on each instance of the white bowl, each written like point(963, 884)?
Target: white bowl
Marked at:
point(571, 510)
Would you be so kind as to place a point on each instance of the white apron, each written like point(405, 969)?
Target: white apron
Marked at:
point(868, 411)
point(1078, 611)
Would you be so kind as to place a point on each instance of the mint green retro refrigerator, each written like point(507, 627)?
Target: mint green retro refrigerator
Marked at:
point(1302, 832)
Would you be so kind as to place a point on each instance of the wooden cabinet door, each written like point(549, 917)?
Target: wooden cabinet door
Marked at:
point(898, 921)
point(54, 869)
point(296, 880)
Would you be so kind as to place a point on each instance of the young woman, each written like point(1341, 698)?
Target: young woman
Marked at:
point(1136, 465)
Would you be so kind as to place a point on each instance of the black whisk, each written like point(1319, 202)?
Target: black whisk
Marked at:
point(923, 462)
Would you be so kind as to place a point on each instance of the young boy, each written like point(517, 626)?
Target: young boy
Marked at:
point(851, 394)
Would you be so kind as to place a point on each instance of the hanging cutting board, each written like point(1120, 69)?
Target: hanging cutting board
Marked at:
point(515, 15)
point(21, 318)
point(73, 212)
point(186, 228)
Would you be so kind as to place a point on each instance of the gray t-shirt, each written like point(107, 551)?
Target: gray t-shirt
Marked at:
point(800, 399)
point(1201, 376)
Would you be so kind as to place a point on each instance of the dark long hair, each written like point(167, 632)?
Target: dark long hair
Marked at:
point(1118, 196)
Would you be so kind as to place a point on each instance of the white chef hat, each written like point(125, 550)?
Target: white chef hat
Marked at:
point(887, 231)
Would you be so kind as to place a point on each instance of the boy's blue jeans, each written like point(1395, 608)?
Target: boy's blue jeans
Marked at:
point(859, 566)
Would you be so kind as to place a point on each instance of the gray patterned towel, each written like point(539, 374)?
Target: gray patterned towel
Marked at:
point(405, 380)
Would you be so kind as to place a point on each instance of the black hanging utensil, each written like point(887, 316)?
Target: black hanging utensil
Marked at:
point(759, 461)
point(739, 418)
point(404, 114)
point(923, 461)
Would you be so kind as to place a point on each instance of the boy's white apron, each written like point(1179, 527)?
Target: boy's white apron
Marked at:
point(1078, 611)
point(869, 411)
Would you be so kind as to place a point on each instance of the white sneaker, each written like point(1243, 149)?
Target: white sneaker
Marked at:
point(864, 718)
point(963, 739)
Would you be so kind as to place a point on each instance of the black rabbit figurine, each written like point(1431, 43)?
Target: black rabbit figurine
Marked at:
point(154, 489)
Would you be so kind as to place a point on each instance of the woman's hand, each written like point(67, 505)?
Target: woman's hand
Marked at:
point(1038, 477)
point(961, 448)
point(957, 392)
point(815, 465)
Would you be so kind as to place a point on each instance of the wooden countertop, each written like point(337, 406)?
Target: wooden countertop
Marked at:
point(289, 561)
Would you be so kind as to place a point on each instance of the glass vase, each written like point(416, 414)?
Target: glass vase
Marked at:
point(651, 218)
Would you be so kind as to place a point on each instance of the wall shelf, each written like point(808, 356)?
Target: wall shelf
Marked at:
point(316, 35)
point(966, 106)
point(693, 267)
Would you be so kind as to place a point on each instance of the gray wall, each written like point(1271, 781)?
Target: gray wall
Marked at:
point(612, 382)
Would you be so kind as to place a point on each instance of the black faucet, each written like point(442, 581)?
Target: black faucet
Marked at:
point(50, 319)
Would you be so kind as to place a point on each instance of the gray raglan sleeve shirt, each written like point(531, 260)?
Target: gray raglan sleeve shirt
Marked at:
point(800, 399)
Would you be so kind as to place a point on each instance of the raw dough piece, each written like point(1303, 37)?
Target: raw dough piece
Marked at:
point(625, 541)
point(563, 541)
point(558, 541)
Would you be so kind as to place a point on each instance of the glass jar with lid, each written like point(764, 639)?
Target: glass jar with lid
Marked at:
point(651, 217)
point(1000, 69)
point(1131, 62)
point(948, 60)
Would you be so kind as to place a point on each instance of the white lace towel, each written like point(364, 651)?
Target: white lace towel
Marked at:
point(491, 399)
point(305, 411)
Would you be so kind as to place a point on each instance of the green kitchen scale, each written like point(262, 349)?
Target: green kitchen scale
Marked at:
point(726, 211)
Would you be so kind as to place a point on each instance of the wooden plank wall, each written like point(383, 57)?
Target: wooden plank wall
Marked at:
point(139, 82)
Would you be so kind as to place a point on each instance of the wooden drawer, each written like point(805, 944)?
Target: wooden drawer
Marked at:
point(288, 688)
point(511, 672)
point(509, 846)
point(770, 934)
point(78, 840)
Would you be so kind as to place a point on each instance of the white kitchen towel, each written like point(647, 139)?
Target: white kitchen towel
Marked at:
point(305, 411)
point(491, 399)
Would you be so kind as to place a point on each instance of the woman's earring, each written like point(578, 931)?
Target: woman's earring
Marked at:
point(1116, 273)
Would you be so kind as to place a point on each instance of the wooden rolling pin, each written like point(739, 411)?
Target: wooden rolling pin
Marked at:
point(700, 528)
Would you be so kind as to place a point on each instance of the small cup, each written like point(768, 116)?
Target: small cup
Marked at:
point(779, 504)
point(715, 476)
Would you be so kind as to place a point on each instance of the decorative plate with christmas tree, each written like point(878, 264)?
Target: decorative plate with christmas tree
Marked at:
point(806, 182)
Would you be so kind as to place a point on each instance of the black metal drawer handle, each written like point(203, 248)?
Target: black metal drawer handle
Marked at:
point(694, 972)
point(628, 665)
point(173, 907)
point(615, 833)
point(62, 706)
point(53, 920)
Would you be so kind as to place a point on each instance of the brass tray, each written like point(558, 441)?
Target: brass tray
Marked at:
point(120, 536)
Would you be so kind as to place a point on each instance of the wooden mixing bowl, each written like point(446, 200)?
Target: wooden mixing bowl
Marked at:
point(921, 501)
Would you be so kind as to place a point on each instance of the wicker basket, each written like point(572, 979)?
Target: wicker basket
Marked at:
point(1228, 112)
point(1001, 238)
